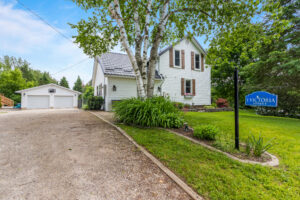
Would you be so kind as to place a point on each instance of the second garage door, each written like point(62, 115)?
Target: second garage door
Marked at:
point(63, 101)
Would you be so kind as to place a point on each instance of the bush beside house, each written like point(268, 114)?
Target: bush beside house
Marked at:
point(95, 103)
point(152, 112)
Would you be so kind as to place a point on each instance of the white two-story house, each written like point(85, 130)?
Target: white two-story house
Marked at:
point(181, 75)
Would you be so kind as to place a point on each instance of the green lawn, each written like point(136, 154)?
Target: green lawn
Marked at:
point(215, 176)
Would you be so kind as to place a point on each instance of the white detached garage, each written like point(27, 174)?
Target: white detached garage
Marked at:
point(48, 96)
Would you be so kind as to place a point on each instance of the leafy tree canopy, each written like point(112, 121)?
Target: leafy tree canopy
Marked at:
point(142, 26)
point(266, 54)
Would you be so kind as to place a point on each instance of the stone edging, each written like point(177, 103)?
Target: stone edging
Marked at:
point(274, 162)
point(175, 178)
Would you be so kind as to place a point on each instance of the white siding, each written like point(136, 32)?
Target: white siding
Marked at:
point(172, 83)
point(99, 79)
point(125, 88)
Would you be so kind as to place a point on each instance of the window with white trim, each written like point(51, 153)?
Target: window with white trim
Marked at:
point(177, 58)
point(188, 87)
point(197, 61)
point(100, 89)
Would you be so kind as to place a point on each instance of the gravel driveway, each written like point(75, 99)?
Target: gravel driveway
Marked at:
point(71, 154)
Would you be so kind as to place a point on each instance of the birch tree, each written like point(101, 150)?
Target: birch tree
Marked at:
point(143, 26)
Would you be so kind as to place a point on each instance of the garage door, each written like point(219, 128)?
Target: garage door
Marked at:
point(63, 101)
point(37, 101)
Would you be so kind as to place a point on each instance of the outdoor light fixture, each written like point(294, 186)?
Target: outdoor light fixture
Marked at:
point(159, 89)
point(114, 88)
point(24, 94)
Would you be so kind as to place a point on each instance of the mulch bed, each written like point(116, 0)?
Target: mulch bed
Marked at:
point(241, 155)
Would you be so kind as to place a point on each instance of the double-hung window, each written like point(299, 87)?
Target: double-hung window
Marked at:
point(177, 58)
point(188, 87)
point(197, 61)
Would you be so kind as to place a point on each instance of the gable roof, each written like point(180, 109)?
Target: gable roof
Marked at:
point(50, 84)
point(193, 40)
point(117, 64)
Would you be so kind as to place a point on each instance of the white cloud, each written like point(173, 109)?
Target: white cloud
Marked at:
point(24, 35)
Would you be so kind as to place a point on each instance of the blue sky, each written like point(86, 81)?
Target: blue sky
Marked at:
point(24, 35)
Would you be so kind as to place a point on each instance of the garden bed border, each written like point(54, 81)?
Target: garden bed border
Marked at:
point(272, 163)
point(166, 170)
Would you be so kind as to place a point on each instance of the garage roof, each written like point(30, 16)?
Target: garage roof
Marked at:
point(50, 84)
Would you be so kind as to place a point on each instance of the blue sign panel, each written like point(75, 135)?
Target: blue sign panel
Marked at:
point(261, 98)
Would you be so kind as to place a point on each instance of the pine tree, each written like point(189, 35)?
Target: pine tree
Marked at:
point(78, 85)
point(63, 82)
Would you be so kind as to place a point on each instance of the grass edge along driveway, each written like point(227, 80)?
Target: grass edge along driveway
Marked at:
point(215, 176)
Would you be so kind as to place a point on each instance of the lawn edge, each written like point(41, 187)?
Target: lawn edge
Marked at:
point(272, 163)
point(166, 170)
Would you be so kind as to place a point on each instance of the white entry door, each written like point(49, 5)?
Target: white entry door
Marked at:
point(63, 101)
point(37, 101)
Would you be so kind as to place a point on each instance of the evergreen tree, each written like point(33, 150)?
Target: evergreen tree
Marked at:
point(63, 82)
point(78, 85)
point(277, 69)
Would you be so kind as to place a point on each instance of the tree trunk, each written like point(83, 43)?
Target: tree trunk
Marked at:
point(116, 14)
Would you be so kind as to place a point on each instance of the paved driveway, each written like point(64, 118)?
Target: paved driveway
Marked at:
point(71, 154)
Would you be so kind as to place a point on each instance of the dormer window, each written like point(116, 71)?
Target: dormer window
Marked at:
point(197, 61)
point(177, 58)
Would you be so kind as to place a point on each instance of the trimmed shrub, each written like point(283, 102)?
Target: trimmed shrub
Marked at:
point(222, 103)
point(206, 132)
point(187, 105)
point(178, 105)
point(95, 103)
point(152, 112)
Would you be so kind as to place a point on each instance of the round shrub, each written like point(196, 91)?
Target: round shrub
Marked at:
point(222, 103)
point(95, 103)
point(151, 112)
point(206, 132)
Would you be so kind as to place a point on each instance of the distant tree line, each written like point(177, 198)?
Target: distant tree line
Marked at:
point(16, 74)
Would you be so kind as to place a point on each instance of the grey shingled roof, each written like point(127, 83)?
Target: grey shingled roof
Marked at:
point(118, 64)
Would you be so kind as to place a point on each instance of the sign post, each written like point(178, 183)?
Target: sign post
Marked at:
point(236, 107)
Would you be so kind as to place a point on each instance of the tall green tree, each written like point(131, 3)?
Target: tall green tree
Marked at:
point(63, 82)
point(10, 82)
point(44, 78)
point(228, 50)
point(78, 85)
point(88, 92)
point(144, 26)
point(266, 54)
point(277, 68)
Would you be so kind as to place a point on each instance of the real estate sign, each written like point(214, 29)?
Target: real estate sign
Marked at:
point(261, 98)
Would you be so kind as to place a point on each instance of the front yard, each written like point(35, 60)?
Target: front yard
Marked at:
point(215, 176)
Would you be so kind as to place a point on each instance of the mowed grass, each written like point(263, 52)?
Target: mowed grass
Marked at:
point(215, 176)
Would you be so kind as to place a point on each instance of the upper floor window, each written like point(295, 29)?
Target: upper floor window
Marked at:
point(177, 58)
point(197, 61)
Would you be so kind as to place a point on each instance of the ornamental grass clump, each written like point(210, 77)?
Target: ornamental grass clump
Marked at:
point(206, 132)
point(257, 146)
point(151, 112)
